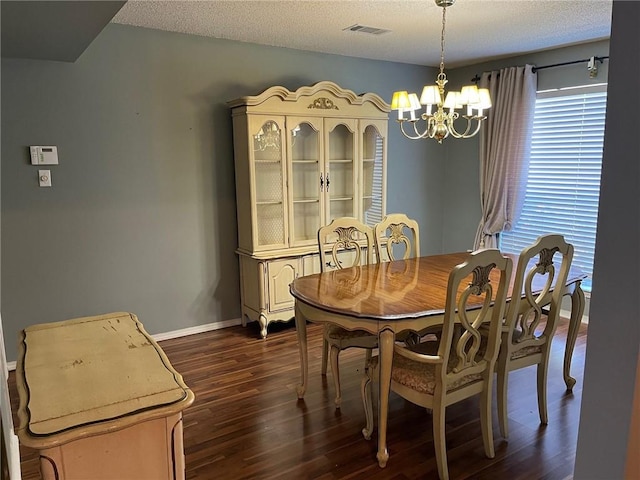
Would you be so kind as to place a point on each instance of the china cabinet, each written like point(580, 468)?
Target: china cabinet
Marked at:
point(302, 158)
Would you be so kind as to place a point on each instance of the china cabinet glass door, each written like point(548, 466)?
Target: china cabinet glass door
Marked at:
point(269, 178)
point(372, 184)
point(305, 179)
point(339, 177)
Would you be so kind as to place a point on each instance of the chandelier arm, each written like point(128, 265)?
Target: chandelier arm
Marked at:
point(432, 126)
point(479, 120)
point(455, 132)
point(466, 133)
point(401, 122)
point(427, 128)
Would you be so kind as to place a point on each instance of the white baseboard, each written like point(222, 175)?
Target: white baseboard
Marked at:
point(197, 329)
point(179, 333)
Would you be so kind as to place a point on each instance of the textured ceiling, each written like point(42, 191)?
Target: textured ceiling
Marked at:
point(476, 30)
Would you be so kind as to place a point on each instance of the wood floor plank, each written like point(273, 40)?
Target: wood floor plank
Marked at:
point(247, 423)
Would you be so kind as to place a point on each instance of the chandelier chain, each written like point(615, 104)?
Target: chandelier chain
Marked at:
point(444, 12)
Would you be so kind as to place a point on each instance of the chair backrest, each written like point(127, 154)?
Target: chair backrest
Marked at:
point(542, 276)
point(397, 236)
point(341, 244)
point(472, 303)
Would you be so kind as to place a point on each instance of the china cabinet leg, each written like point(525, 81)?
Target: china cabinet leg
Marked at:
point(262, 319)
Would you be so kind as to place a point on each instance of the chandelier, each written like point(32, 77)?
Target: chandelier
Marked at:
point(440, 116)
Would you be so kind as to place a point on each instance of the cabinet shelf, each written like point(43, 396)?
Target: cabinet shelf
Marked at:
point(341, 199)
point(341, 160)
point(306, 200)
point(304, 160)
point(268, 202)
point(266, 162)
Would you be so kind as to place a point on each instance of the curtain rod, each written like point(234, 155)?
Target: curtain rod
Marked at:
point(476, 79)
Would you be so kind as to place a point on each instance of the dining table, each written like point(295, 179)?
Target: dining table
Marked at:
point(387, 298)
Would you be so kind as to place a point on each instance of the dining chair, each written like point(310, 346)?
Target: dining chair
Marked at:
point(397, 236)
point(526, 339)
point(345, 242)
point(461, 365)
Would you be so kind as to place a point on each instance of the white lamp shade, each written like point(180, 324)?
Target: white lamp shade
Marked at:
point(469, 95)
point(400, 100)
point(430, 95)
point(485, 99)
point(415, 103)
point(452, 100)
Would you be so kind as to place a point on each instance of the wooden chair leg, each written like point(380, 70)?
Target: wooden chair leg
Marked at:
point(542, 389)
point(503, 384)
point(367, 402)
point(439, 440)
point(335, 370)
point(486, 423)
point(325, 356)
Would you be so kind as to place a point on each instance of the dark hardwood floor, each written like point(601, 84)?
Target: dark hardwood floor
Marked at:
point(247, 423)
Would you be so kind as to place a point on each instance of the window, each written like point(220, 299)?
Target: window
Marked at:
point(563, 184)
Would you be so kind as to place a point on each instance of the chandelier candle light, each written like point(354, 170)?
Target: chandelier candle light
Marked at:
point(439, 123)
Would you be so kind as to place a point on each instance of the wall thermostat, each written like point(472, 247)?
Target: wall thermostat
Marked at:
point(44, 155)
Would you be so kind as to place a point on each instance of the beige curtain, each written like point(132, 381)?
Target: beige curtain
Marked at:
point(505, 145)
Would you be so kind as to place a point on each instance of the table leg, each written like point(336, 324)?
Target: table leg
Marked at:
point(577, 309)
point(386, 339)
point(301, 329)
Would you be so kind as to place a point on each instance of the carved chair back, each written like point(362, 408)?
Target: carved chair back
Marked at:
point(466, 353)
point(525, 313)
point(345, 242)
point(397, 237)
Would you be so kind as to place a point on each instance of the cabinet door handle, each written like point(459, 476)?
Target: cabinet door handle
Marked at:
point(321, 183)
point(328, 182)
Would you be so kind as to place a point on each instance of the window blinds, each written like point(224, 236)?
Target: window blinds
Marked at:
point(563, 184)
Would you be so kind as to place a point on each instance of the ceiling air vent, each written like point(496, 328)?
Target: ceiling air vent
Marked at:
point(365, 29)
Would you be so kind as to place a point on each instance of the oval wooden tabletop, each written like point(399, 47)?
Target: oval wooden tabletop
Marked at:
point(400, 289)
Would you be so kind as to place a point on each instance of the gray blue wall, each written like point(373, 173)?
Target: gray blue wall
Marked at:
point(141, 215)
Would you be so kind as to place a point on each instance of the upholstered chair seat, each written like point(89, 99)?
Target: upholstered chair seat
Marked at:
point(420, 376)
